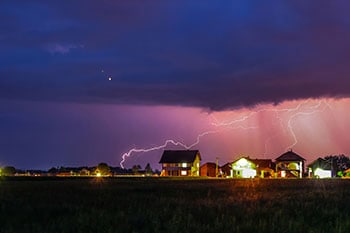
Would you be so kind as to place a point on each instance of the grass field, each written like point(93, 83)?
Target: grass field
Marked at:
point(173, 205)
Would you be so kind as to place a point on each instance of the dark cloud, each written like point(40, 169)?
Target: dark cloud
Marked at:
point(215, 55)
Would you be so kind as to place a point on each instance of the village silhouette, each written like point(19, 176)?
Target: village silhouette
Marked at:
point(187, 163)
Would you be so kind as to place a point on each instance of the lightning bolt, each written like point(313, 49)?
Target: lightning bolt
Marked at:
point(301, 109)
point(166, 143)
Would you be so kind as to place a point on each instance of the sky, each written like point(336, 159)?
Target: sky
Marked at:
point(83, 82)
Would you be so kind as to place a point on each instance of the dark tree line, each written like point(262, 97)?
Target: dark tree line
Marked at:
point(102, 169)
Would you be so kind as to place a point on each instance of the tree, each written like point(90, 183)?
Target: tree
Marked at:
point(148, 170)
point(103, 169)
point(8, 171)
point(339, 163)
point(53, 170)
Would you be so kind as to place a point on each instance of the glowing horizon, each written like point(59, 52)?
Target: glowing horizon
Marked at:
point(311, 127)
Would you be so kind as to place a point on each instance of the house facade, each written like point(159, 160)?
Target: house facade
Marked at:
point(180, 163)
point(320, 168)
point(245, 167)
point(226, 170)
point(290, 165)
point(265, 168)
point(209, 170)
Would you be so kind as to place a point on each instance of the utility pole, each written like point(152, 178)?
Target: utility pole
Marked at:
point(217, 167)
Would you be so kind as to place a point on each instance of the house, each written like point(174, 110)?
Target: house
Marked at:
point(265, 168)
point(320, 168)
point(246, 167)
point(243, 168)
point(290, 165)
point(209, 170)
point(347, 173)
point(226, 170)
point(180, 163)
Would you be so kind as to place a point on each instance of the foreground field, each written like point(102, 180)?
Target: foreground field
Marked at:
point(168, 205)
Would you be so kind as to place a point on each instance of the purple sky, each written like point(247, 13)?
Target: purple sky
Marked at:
point(176, 68)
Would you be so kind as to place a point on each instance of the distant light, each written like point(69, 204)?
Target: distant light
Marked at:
point(184, 164)
point(109, 78)
point(98, 174)
point(183, 173)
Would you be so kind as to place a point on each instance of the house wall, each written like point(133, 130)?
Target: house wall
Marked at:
point(208, 169)
point(195, 166)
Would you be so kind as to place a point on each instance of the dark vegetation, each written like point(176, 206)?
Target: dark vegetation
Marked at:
point(53, 204)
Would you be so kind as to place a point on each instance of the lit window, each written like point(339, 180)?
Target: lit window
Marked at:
point(184, 164)
point(183, 173)
point(197, 164)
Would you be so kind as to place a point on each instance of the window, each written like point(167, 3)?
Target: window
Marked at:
point(183, 173)
point(184, 164)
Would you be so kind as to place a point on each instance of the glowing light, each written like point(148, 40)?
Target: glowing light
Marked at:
point(184, 164)
point(183, 173)
point(320, 173)
point(242, 162)
point(98, 174)
point(109, 78)
point(283, 174)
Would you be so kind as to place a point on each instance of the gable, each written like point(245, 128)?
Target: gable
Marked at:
point(290, 156)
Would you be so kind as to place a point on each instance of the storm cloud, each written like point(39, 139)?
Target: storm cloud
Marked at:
point(211, 54)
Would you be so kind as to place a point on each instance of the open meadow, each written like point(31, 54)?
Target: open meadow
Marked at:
point(173, 205)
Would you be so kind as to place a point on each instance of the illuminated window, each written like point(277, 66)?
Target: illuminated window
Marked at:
point(183, 173)
point(184, 164)
point(197, 164)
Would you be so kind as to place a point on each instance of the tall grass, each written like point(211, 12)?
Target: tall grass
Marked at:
point(174, 205)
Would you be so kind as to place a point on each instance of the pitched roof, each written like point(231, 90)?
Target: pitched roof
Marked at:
point(290, 156)
point(179, 156)
point(321, 163)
